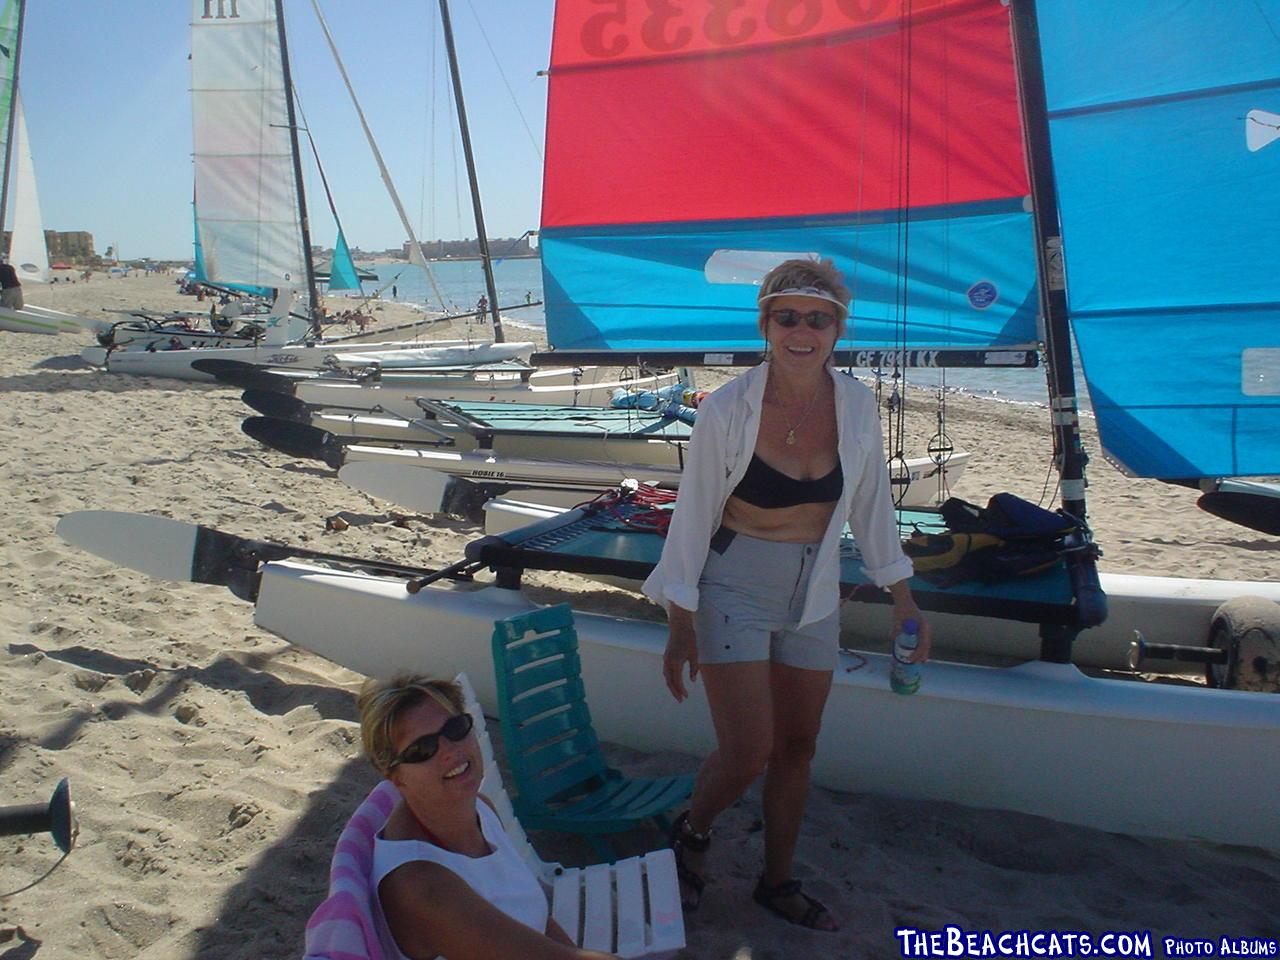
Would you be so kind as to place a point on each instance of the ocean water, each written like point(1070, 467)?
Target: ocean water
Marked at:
point(461, 283)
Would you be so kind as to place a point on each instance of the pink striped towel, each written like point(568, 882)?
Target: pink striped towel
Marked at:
point(342, 928)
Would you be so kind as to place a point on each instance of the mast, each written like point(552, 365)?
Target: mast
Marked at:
point(481, 237)
point(1064, 409)
point(13, 113)
point(314, 299)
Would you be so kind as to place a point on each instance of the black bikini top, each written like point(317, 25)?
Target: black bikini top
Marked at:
point(763, 486)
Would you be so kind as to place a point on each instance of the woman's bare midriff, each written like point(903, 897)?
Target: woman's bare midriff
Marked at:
point(803, 523)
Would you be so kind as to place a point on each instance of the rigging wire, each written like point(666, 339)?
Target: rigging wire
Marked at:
point(897, 398)
point(415, 250)
point(511, 93)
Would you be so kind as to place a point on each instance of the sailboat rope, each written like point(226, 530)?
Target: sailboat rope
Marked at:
point(415, 250)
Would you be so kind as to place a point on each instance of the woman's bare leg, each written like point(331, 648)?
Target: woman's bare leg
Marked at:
point(798, 697)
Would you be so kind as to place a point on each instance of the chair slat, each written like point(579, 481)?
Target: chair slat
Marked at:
point(628, 881)
point(566, 904)
point(562, 694)
point(597, 914)
point(666, 920)
point(575, 720)
point(524, 652)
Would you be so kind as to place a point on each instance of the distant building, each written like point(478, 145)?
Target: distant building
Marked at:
point(69, 245)
point(498, 247)
point(63, 245)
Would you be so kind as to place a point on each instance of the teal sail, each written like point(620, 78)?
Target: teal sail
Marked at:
point(342, 269)
point(198, 268)
point(200, 272)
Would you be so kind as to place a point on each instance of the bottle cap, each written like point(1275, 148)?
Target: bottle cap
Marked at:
point(910, 626)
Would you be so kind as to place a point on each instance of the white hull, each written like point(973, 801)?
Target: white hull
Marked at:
point(580, 476)
point(177, 363)
point(1166, 610)
point(631, 452)
point(33, 319)
point(1137, 758)
point(398, 396)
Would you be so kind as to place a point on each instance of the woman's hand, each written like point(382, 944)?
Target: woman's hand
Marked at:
point(904, 609)
point(682, 648)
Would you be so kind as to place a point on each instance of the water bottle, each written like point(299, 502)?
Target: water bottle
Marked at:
point(904, 676)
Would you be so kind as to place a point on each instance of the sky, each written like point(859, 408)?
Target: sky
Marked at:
point(106, 89)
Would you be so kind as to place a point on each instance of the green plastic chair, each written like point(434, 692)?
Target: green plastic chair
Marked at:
point(562, 779)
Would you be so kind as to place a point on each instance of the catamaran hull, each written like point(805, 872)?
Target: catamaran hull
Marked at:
point(399, 397)
point(176, 364)
point(33, 319)
point(1039, 738)
point(633, 452)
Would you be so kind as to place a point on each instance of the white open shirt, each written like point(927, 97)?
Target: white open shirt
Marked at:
point(720, 449)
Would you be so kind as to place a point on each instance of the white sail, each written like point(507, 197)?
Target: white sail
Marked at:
point(247, 213)
point(27, 250)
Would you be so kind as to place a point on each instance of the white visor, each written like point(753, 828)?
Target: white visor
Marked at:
point(816, 292)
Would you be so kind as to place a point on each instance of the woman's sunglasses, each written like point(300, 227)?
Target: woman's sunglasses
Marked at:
point(456, 729)
point(815, 319)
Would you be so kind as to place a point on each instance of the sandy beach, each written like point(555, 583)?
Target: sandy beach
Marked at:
point(214, 764)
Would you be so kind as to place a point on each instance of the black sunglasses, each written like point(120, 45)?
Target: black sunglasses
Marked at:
point(456, 729)
point(815, 319)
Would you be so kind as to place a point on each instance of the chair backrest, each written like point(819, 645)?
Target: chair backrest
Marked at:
point(496, 791)
point(551, 747)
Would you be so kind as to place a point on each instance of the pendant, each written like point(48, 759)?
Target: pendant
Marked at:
point(791, 437)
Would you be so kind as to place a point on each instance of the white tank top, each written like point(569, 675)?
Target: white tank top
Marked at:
point(501, 877)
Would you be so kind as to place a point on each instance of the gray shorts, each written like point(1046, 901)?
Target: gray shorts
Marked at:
point(750, 598)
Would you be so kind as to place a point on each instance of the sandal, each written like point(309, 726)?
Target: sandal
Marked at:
point(683, 838)
point(768, 898)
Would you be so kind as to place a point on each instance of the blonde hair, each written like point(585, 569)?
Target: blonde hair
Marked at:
point(382, 702)
point(799, 273)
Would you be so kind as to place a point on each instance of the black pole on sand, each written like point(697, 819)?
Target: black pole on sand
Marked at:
point(481, 238)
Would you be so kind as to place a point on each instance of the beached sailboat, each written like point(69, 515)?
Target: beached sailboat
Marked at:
point(974, 735)
point(28, 253)
point(377, 389)
point(251, 216)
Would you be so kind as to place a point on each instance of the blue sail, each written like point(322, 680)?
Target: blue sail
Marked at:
point(342, 269)
point(1163, 131)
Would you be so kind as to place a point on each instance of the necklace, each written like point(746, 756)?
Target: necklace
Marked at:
point(791, 428)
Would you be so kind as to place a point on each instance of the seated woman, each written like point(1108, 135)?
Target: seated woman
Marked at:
point(446, 880)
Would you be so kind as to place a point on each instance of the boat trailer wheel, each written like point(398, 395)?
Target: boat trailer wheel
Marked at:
point(1248, 628)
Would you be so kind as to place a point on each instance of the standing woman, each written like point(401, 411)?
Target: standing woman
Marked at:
point(780, 458)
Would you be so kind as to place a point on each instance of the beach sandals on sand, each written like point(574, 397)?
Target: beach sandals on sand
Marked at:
point(771, 899)
point(684, 839)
